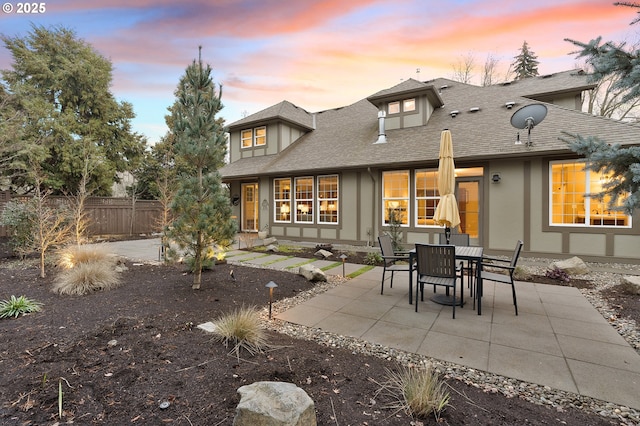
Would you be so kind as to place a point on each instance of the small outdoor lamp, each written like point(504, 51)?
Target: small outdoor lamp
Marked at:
point(271, 285)
point(344, 259)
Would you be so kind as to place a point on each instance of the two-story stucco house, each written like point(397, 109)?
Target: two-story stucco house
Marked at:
point(332, 176)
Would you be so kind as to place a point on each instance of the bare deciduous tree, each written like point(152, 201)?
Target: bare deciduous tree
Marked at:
point(490, 70)
point(463, 69)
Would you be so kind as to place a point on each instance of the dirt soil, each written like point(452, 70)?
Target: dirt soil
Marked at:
point(119, 354)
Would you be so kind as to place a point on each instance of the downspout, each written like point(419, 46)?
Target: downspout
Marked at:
point(371, 237)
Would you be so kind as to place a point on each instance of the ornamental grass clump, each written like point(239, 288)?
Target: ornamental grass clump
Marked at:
point(418, 391)
point(86, 278)
point(242, 329)
point(17, 306)
point(74, 255)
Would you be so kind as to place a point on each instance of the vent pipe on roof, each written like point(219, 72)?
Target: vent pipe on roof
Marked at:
point(382, 137)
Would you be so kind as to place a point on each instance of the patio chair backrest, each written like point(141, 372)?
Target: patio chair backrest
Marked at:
point(454, 239)
point(386, 246)
point(516, 253)
point(436, 260)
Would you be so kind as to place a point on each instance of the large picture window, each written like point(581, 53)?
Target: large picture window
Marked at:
point(304, 199)
point(427, 197)
point(571, 202)
point(328, 199)
point(395, 196)
point(282, 199)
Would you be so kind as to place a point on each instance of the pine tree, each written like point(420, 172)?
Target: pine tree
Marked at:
point(525, 65)
point(201, 206)
point(611, 59)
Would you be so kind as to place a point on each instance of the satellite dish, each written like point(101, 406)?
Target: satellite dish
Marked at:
point(528, 117)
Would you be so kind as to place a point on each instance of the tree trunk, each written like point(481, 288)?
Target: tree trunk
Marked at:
point(197, 263)
point(42, 271)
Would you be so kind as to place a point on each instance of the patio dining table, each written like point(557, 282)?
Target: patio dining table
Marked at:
point(472, 254)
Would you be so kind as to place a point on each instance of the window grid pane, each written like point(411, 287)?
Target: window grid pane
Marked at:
point(328, 199)
point(304, 199)
point(409, 105)
point(282, 200)
point(260, 136)
point(396, 196)
point(427, 197)
point(247, 138)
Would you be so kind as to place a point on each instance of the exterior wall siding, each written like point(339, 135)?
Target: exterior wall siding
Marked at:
point(505, 202)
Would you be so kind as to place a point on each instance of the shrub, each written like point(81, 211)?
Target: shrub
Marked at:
point(395, 230)
point(418, 391)
point(74, 255)
point(17, 306)
point(373, 258)
point(85, 278)
point(558, 275)
point(19, 217)
point(242, 329)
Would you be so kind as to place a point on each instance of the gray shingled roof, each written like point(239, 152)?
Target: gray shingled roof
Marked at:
point(345, 138)
point(285, 110)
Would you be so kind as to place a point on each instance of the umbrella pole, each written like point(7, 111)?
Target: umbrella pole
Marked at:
point(447, 233)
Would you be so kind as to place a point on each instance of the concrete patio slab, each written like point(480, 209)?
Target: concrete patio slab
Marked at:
point(558, 340)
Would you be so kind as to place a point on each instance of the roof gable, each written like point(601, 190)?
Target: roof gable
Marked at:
point(284, 110)
point(406, 89)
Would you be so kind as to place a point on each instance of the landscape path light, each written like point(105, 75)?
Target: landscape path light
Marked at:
point(344, 259)
point(271, 285)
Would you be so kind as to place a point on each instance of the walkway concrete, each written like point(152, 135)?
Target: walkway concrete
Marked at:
point(558, 339)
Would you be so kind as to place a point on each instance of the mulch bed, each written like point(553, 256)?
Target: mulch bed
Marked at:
point(118, 354)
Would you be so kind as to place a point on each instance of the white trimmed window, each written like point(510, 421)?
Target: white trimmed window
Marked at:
point(304, 199)
point(395, 196)
point(260, 136)
point(394, 107)
point(328, 199)
point(409, 105)
point(282, 199)
point(247, 138)
point(571, 202)
point(427, 197)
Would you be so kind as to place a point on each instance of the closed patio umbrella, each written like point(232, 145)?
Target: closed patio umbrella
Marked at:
point(446, 213)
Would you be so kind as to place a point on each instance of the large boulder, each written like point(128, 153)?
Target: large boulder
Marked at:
point(630, 284)
point(272, 248)
point(312, 273)
point(269, 241)
point(274, 404)
point(323, 254)
point(572, 266)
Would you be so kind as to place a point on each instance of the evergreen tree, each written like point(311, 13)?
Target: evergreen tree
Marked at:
point(201, 206)
point(525, 65)
point(611, 59)
point(60, 85)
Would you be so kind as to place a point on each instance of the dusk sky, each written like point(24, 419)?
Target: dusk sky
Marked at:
point(317, 54)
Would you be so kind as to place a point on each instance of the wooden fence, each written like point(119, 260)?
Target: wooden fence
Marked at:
point(111, 216)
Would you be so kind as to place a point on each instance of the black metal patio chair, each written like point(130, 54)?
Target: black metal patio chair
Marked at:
point(456, 239)
point(501, 271)
point(393, 261)
point(436, 265)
